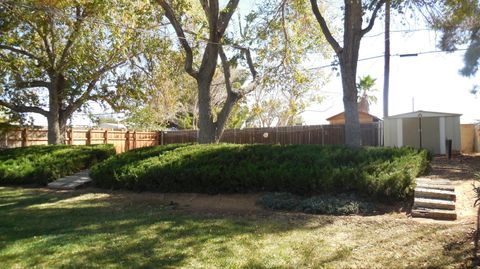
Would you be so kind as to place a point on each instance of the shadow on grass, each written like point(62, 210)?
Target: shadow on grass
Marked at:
point(77, 229)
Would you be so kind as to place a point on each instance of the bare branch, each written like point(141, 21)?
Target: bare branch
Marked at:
point(24, 109)
point(205, 7)
point(374, 16)
point(226, 15)
point(232, 96)
point(326, 31)
point(169, 13)
point(226, 70)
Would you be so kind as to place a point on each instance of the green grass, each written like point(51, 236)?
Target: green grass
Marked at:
point(381, 173)
point(113, 230)
point(42, 164)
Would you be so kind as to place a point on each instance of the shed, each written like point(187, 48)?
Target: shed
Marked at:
point(423, 129)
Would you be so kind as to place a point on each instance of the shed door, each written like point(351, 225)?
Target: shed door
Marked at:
point(431, 134)
point(411, 136)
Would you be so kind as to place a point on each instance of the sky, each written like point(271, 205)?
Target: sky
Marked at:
point(430, 81)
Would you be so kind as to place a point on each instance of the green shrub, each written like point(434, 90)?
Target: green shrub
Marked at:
point(382, 173)
point(341, 204)
point(42, 164)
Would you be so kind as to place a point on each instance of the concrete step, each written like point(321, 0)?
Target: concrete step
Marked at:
point(439, 214)
point(437, 187)
point(435, 193)
point(433, 203)
point(433, 181)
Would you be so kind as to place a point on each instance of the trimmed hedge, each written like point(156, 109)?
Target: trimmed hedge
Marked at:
point(43, 164)
point(383, 173)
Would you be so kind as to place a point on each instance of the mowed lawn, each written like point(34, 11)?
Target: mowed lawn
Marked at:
point(46, 229)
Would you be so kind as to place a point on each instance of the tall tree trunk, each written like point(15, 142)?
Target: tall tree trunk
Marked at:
point(206, 126)
point(352, 125)
point(348, 58)
point(56, 128)
point(56, 121)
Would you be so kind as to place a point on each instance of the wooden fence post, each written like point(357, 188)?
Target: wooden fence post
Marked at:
point(70, 136)
point(89, 137)
point(24, 137)
point(134, 139)
point(127, 140)
point(105, 137)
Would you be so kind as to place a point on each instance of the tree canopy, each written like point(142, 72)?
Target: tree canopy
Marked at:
point(55, 56)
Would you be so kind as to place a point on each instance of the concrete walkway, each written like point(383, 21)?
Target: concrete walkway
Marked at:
point(71, 182)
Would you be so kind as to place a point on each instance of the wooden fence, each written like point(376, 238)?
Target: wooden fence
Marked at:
point(122, 140)
point(372, 135)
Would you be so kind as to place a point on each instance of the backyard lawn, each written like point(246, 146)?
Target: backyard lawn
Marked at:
point(94, 228)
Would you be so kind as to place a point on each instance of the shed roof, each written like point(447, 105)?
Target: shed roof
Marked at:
point(359, 112)
point(423, 114)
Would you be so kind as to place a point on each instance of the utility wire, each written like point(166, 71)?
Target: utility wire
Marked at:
point(394, 55)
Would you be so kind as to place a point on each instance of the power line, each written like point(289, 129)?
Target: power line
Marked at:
point(379, 56)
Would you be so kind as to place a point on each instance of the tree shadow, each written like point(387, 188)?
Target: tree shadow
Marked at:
point(131, 235)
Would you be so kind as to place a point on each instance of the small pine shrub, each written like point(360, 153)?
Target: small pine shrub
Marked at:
point(42, 164)
point(385, 174)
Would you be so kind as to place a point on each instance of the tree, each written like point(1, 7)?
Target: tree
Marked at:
point(56, 56)
point(365, 86)
point(276, 35)
point(211, 126)
point(459, 22)
point(347, 55)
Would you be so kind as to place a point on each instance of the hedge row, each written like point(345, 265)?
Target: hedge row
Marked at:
point(383, 173)
point(43, 164)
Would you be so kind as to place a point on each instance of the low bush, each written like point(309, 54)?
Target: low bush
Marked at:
point(42, 164)
point(340, 204)
point(383, 173)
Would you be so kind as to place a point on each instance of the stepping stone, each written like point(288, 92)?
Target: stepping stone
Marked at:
point(71, 182)
point(425, 192)
point(439, 214)
point(433, 203)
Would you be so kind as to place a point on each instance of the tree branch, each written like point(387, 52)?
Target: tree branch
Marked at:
point(71, 38)
point(20, 51)
point(226, 70)
point(226, 15)
point(82, 99)
point(374, 16)
point(24, 109)
point(323, 25)
point(181, 37)
point(232, 96)
point(32, 84)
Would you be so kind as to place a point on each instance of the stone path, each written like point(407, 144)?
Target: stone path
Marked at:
point(71, 182)
point(435, 199)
